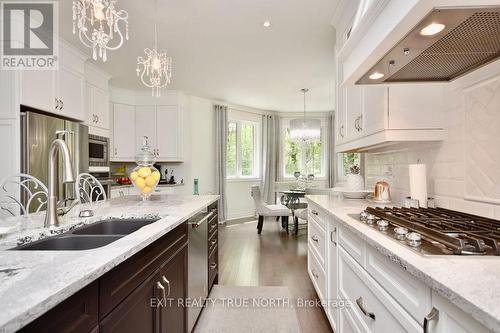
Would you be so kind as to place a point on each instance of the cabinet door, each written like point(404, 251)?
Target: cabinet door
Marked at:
point(340, 116)
point(168, 132)
point(332, 289)
point(136, 313)
point(145, 125)
point(354, 109)
point(452, 319)
point(100, 107)
point(416, 106)
point(71, 87)
point(374, 110)
point(38, 90)
point(123, 132)
point(173, 276)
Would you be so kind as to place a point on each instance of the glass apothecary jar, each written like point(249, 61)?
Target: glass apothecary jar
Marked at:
point(145, 177)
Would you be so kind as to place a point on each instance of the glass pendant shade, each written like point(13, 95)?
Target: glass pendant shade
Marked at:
point(305, 129)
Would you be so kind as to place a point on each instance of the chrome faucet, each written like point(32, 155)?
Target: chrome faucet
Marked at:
point(51, 218)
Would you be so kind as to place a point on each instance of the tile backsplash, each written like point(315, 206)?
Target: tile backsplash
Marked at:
point(446, 161)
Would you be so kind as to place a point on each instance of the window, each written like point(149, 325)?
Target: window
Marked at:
point(347, 160)
point(305, 157)
point(242, 149)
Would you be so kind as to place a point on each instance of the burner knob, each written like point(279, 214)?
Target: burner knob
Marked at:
point(382, 225)
point(414, 239)
point(400, 231)
point(370, 218)
point(363, 215)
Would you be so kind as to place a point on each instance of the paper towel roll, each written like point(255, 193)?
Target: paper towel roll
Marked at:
point(418, 183)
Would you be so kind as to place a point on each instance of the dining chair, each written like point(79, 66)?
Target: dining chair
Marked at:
point(89, 189)
point(265, 210)
point(22, 194)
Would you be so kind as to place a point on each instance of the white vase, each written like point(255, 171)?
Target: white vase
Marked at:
point(355, 182)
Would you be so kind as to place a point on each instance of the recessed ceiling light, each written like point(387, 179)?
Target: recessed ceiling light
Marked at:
point(432, 29)
point(266, 24)
point(376, 76)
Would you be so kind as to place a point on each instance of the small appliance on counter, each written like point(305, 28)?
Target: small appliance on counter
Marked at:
point(381, 193)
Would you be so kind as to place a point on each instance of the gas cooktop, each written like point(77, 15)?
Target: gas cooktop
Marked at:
point(435, 231)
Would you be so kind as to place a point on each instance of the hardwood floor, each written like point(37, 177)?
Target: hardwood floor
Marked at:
point(270, 259)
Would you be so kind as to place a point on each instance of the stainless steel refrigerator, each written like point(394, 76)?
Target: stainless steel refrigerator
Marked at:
point(38, 130)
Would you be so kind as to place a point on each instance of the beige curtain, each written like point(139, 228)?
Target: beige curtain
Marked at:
point(221, 157)
point(270, 156)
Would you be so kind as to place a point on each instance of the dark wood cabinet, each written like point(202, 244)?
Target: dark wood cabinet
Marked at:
point(130, 297)
point(173, 277)
point(213, 242)
point(77, 314)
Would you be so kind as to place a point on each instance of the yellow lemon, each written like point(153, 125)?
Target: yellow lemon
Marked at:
point(144, 172)
point(133, 176)
point(156, 175)
point(150, 181)
point(140, 183)
point(146, 190)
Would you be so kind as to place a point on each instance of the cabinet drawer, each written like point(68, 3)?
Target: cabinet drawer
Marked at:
point(316, 273)
point(318, 214)
point(213, 267)
point(355, 246)
point(77, 314)
point(122, 280)
point(212, 242)
point(316, 236)
point(369, 298)
point(213, 225)
point(413, 295)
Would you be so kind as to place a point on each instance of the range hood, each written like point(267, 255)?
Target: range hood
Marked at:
point(446, 44)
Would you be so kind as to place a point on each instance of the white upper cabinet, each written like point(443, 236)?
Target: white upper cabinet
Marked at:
point(97, 107)
point(69, 91)
point(145, 125)
point(61, 91)
point(169, 133)
point(123, 133)
point(37, 90)
point(375, 116)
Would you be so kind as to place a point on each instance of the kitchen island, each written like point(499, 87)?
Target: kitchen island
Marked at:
point(402, 286)
point(33, 282)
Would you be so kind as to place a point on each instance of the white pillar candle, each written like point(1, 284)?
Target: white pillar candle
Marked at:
point(418, 183)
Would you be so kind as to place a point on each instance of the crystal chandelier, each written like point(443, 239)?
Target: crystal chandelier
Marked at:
point(156, 66)
point(97, 24)
point(304, 129)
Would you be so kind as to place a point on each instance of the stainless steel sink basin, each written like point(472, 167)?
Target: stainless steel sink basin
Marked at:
point(113, 227)
point(69, 243)
point(88, 237)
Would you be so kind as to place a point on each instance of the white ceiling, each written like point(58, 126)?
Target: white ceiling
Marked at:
point(220, 49)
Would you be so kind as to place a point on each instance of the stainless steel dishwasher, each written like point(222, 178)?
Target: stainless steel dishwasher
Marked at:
point(197, 264)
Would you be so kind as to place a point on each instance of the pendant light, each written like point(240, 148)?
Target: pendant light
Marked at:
point(305, 129)
point(156, 66)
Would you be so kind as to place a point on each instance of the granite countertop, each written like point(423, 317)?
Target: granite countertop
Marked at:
point(469, 282)
point(33, 282)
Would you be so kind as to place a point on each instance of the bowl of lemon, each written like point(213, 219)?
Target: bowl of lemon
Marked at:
point(145, 177)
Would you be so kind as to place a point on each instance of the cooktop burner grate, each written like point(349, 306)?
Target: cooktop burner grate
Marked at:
point(438, 230)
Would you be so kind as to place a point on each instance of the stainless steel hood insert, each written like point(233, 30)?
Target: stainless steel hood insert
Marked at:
point(470, 39)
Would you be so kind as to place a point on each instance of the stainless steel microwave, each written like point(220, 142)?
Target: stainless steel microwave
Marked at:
point(98, 150)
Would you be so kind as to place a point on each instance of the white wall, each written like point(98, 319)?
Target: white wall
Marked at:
point(450, 175)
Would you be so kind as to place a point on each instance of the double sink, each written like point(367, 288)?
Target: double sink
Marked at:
point(88, 237)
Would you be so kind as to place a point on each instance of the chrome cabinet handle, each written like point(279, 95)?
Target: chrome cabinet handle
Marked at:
point(162, 288)
point(314, 238)
point(356, 124)
point(433, 315)
point(214, 241)
point(168, 284)
point(97, 117)
point(213, 265)
point(315, 212)
point(62, 104)
point(116, 151)
point(213, 226)
point(341, 131)
point(57, 103)
point(361, 306)
point(331, 236)
point(314, 273)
